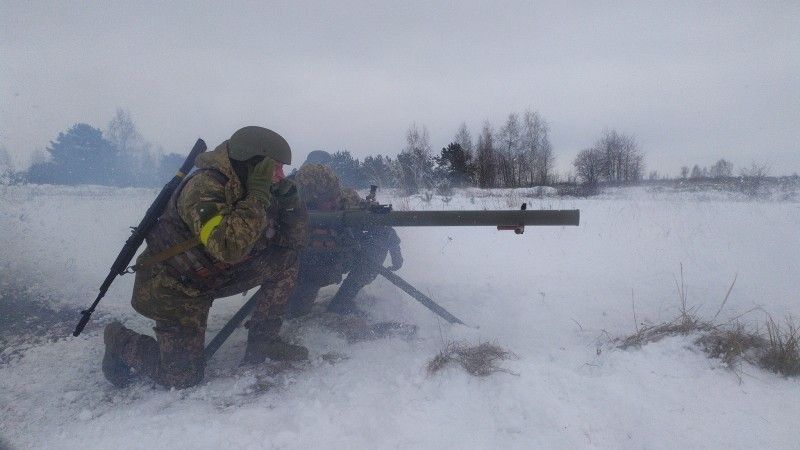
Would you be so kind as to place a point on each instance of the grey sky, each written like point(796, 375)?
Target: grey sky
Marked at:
point(692, 81)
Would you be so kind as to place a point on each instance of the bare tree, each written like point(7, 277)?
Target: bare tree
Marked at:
point(538, 158)
point(624, 161)
point(590, 165)
point(756, 170)
point(6, 166)
point(418, 149)
point(754, 179)
point(509, 140)
point(684, 172)
point(137, 154)
point(122, 132)
point(721, 169)
point(546, 162)
point(486, 157)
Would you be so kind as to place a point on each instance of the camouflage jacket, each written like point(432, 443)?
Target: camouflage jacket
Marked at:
point(211, 205)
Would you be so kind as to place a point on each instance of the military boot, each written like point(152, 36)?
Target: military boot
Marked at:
point(127, 354)
point(116, 337)
point(342, 302)
point(263, 342)
point(181, 359)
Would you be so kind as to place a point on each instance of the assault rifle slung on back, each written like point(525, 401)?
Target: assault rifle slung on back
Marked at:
point(139, 232)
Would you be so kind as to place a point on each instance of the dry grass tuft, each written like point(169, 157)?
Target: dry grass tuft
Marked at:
point(731, 342)
point(782, 352)
point(480, 360)
point(685, 324)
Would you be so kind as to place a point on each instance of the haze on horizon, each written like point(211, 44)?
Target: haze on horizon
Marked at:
point(694, 81)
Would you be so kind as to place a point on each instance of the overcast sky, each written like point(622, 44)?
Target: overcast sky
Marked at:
point(693, 81)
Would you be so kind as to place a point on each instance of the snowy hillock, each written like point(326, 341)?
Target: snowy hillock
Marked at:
point(557, 298)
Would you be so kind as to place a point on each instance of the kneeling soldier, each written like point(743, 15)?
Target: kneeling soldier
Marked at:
point(233, 224)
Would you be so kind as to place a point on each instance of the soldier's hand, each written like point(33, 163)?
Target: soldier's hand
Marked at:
point(285, 194)
point(397, 258)
point(282, 188)
point(259, 180)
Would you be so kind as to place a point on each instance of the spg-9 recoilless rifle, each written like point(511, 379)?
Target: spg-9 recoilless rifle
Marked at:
point(139, 232)
point(372, 214)
point(369, 214)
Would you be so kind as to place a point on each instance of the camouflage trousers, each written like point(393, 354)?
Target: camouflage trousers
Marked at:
point(312, 278)
point(175, 358)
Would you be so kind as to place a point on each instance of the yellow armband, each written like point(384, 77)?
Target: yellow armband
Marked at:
point(209, 227)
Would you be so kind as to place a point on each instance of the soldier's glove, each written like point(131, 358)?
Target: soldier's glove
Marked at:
point(397, 258)
point(259, 180)
point(285, 195)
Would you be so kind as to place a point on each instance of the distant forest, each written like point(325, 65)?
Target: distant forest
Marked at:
point(518, 154)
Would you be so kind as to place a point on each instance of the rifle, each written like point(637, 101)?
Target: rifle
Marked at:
point(138, 233)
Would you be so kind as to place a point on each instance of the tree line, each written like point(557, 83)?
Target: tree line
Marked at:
point(614, 158)
point(118, 156)
point(517, 154)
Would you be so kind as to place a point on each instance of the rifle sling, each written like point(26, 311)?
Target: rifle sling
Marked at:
point(188, 244)
point(168, 253)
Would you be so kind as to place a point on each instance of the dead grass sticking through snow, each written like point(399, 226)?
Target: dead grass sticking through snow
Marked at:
point(782, 354)
point(480, 360)
point(731, 342)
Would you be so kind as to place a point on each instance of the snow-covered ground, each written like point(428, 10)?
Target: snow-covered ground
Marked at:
point(555, 296)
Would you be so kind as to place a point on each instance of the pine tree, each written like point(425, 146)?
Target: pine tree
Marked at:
point(79, 156)
point(455, 166)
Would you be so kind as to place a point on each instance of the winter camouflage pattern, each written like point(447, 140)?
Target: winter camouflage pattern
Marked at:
point(257, 247)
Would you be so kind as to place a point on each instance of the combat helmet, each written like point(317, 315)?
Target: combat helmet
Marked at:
point(317, 184)
point(318, 157)
point(252, 141)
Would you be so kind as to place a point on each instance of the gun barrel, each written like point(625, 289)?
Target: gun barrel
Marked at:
point(470, 218)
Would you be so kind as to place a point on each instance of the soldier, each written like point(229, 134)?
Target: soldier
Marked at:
point(333, 252)
point(234, 224)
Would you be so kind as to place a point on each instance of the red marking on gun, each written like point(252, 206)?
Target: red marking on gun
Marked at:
point(518, 229)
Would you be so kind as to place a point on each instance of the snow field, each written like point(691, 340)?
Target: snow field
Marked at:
point(554, 296)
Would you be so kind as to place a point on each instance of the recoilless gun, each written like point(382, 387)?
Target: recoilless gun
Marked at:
point(372, 214)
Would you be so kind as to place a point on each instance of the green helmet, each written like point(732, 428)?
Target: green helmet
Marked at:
point(318, 157)
point(252, 141)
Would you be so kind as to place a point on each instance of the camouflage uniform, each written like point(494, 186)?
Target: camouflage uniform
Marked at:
point(336, 251)
point(248, 246)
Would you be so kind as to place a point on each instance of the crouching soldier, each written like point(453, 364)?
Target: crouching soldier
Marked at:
point(333, 252)
point(234, 224)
